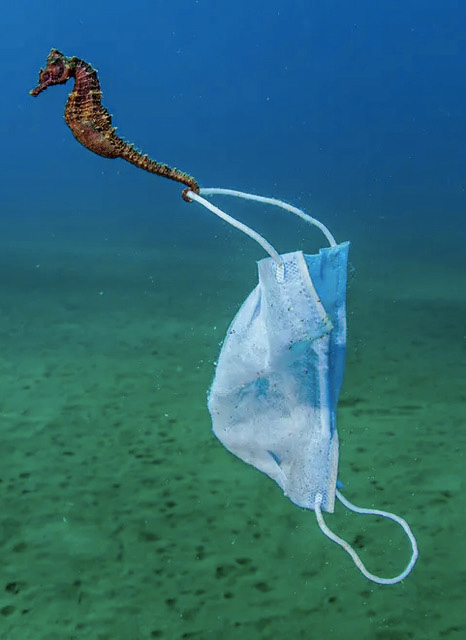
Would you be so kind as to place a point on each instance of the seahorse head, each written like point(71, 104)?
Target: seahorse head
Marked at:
point(58, 70)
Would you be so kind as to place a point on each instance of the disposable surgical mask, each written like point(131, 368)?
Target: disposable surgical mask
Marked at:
point(273, 400)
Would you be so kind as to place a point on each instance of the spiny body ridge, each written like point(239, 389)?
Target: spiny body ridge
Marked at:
point(91, 123)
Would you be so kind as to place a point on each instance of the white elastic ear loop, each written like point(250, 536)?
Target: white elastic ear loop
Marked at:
point(238, 225)
point(349, 549)
point(250, 232)
point(276, 203)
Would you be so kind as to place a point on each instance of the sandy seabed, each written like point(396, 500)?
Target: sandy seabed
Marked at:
point(121, 515)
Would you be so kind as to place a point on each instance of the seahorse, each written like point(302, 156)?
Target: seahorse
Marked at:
point(91, 123)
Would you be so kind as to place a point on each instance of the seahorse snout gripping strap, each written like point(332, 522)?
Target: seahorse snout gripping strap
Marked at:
point(274, 396)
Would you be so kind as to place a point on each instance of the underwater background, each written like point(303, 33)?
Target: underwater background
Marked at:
point(122, 517)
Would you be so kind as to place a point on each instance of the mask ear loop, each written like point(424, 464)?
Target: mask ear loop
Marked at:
point(349, 549)
point(250, 232)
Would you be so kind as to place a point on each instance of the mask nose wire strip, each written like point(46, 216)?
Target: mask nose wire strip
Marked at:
point(276, 203)
point(347, 547)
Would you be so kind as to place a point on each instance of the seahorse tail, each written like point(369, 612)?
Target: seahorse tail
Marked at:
point(132, 155)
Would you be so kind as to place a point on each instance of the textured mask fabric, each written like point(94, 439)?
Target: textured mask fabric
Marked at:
point(274, 395)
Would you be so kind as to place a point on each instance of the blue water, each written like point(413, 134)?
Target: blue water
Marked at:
point(120, 515)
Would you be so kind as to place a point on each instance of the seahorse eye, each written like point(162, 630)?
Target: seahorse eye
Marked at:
point(57, 71)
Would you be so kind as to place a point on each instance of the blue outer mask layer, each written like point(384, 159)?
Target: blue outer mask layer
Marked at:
point(274, 396)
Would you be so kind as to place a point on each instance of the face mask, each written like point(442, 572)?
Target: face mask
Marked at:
point(274, 397)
